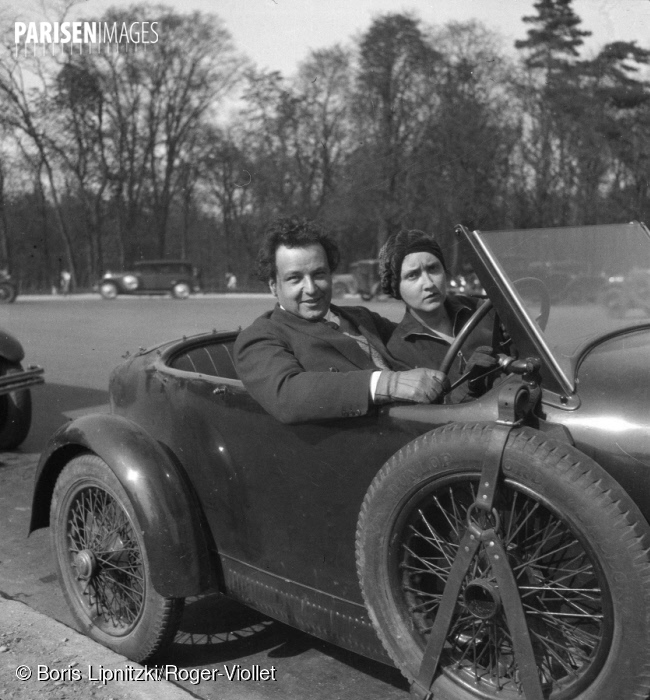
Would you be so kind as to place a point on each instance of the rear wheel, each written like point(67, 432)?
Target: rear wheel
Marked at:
point(7, 293)
point(102, 563)
point(577, 546)
point(15, 411)
point(181, 290)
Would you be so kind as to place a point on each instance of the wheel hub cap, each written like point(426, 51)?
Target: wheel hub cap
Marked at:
point(482, 599)
point(85, 563)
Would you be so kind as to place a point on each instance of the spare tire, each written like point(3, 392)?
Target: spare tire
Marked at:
point(577, 546)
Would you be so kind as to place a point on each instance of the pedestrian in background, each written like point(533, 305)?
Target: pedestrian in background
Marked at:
point(66, 279)
point(231, 281)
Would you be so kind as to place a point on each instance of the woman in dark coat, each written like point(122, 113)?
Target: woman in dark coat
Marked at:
point(413, 269)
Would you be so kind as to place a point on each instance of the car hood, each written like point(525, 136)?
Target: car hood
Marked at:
point(615, 375)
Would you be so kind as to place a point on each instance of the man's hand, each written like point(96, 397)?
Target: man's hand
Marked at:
point(415, 385)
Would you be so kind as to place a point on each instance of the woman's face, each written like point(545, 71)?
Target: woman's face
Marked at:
point(423, 282)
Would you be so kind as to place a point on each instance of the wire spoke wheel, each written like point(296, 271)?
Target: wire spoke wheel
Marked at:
point(577, 545)
point(107, 560)
point(562, 589)
point(103, 565)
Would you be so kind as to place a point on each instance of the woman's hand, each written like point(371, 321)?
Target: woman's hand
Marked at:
point(481, 359)
point(479, 365)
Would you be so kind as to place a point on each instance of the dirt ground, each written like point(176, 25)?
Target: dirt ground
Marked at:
point(42, 658)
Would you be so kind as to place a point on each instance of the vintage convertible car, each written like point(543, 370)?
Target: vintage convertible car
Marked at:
point(15, 394)
point(497, 548)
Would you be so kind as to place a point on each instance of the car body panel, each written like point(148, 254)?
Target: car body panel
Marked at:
point(12, 351)
point(10, 348)
point(612, 422)
point(222, 436)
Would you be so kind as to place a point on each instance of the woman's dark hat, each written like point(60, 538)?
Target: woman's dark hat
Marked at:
point(396, 248)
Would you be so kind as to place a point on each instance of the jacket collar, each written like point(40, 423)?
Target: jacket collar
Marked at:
point(457, 308)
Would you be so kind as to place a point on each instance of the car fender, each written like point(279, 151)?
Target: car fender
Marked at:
point(179, 546)
point(10, 348)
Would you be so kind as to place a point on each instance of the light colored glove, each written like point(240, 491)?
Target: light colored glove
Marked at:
point(415, 385)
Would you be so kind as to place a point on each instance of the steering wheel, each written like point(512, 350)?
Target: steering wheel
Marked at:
point(536, 286)
point(460, 339)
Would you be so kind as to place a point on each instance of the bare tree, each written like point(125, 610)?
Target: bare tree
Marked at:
point(24, 111)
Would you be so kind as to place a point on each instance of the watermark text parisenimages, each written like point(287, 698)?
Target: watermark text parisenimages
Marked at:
point(30, 35)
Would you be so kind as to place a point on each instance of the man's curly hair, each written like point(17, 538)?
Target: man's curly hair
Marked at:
point(396, 248)
point(293, 232)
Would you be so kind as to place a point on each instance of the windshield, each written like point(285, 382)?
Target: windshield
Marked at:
point(576, 284)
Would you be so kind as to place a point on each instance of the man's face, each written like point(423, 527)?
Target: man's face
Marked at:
point(303, 284)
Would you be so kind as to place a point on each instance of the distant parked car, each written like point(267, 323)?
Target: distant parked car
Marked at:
point(15, 396)
point(366, 273)
point(342, 284)
point(624, 293)
point(466, 283)
point(176, 277)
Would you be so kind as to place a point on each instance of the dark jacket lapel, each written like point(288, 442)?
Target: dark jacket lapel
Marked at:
point(343, 344)
point(364, 323)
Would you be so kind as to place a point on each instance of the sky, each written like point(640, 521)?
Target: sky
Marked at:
point(278, 34)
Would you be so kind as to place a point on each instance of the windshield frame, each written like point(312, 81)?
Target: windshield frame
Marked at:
point(559, 370)
point(513, 300)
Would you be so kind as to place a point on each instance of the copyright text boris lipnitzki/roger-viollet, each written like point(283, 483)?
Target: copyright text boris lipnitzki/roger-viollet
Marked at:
point(169, 672)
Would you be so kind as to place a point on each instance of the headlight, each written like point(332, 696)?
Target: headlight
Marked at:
point(130, 282)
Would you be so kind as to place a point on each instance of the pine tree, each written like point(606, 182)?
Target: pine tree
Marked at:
point(555, 37)
point(553, 102)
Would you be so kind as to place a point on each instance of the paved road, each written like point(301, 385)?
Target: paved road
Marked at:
point(79, 340)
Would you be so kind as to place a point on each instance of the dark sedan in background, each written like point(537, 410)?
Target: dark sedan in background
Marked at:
point(176, 277)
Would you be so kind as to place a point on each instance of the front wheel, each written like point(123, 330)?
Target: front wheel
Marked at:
point(181, 290)
point(15, 411)
point(577, 546)
point(102, 563)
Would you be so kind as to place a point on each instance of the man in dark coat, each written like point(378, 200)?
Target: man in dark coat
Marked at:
point(309, 360)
